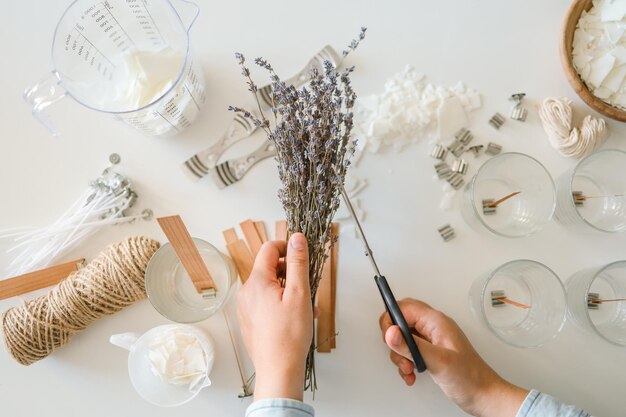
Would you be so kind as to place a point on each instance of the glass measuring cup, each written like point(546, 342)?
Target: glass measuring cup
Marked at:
point(129, 58)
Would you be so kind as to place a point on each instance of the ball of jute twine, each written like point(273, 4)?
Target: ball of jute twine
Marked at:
point(112, 281)
point(570, 141)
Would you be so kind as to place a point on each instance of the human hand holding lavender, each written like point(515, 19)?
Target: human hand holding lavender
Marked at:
point(311, 130)
point(277, 322)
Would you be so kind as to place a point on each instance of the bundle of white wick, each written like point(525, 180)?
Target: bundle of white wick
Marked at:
point(570, 141)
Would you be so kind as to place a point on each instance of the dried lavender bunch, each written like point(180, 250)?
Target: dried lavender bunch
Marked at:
point(311, 130)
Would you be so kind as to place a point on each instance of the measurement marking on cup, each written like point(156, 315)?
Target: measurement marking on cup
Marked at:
point(93, 46)
point(153, 22)
point(192, 97)
point(108, 9)
point(171, 124)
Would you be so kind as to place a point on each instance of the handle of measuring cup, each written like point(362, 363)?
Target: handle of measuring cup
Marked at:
point(190, 14)
point(43, 94)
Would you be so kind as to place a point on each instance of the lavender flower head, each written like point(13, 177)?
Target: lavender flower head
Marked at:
point(311, 130)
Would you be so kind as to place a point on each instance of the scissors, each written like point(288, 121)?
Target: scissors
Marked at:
point(390, 301)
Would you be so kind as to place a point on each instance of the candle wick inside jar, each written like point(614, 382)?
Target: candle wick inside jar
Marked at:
point(503, 199)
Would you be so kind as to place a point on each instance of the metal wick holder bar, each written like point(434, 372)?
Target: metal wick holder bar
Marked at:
point(591, 304)
point(496, 121)
point(493, 149)
point(447, 233)
point(488, 208)
point(496, 298)
point(518, 112)
point(578, 197)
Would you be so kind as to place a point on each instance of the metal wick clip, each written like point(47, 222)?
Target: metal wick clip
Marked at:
point(385, 291)
point(447, 233)
point(499, 299)
point(496, 121)
point(518, 112)
point(496, 298)
point(578, 197)
point(592, 302)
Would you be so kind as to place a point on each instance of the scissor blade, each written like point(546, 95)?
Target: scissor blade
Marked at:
point(368, 250)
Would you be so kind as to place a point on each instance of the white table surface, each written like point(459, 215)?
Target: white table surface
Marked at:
point(497, 47)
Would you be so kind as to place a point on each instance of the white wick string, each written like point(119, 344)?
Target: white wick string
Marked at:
point(104, 203)
point(570, 141)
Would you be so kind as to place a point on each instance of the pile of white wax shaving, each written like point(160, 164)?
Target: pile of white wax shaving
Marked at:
point(177, 357)
point(410, 109)
point(599, 51)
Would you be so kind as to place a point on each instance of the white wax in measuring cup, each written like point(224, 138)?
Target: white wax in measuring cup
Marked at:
point(128, 58)
point(168, 365)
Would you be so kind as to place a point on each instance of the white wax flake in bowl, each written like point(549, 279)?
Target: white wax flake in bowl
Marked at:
point(598, 54)
point(177, 357)
point(410, 109)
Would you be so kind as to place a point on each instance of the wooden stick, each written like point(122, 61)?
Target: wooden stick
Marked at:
point(230, 235)
point(598, 301)
point(252, 236)
point(324, 302)
point(511, 302)
point(503, 199)
point(187, 252)
point(242, 258)
point(584, 197)
point(334, 259)
point(37, 280)
point(281, 230)
point(260, 229)
point(239, 253)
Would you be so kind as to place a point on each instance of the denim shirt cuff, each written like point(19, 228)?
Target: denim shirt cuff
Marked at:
point(279, 407)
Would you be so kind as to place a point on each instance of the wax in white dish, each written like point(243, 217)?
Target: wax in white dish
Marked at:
point(177, 357)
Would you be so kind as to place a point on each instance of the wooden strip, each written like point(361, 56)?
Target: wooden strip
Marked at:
point(599, 301)
point(252, 236)
point(37, 280)
point(187, 252)
point(281, 230)
point(260, 229)
point(230, 235)
point(334, 259)
point(242, 258)
point(324, 302)
point(513, 303)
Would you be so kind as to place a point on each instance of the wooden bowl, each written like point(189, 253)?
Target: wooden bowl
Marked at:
point(569, 26)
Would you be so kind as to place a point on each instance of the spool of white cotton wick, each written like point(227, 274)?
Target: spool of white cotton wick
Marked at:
point(571, 141)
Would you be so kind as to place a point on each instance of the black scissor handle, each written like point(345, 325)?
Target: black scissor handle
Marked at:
point(398, 319)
